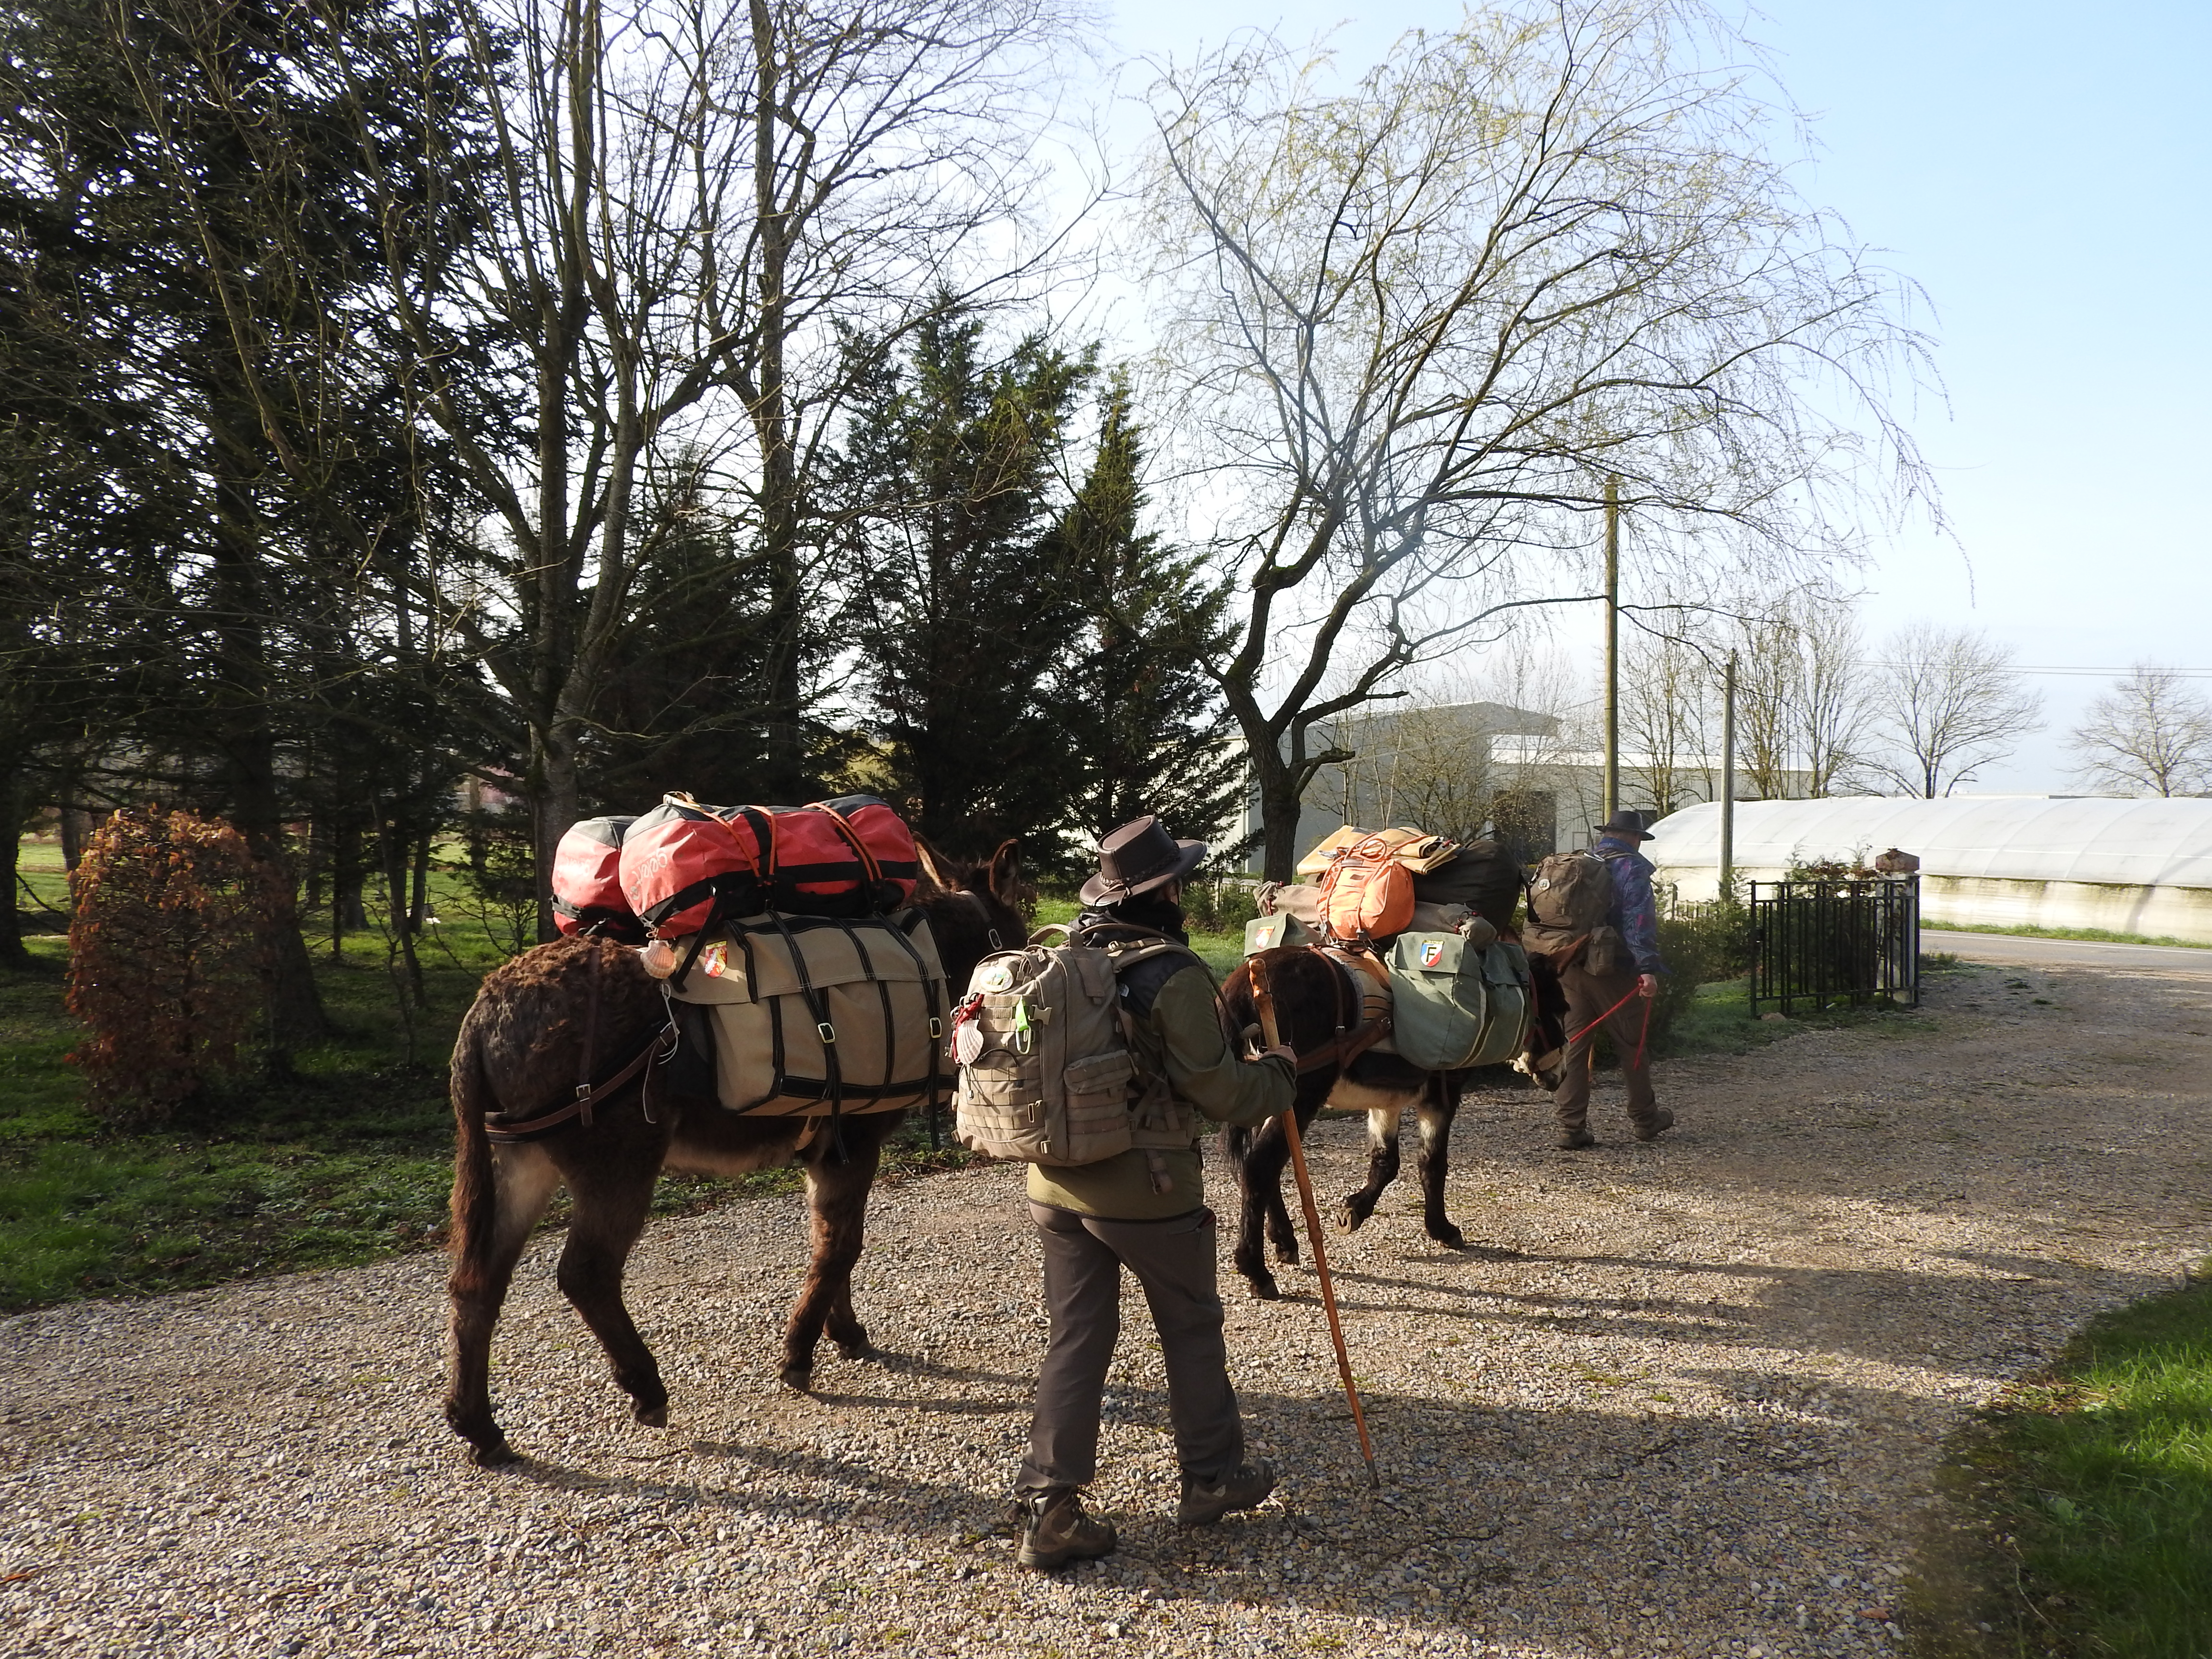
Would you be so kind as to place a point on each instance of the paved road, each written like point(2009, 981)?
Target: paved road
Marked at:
point(2008, 949)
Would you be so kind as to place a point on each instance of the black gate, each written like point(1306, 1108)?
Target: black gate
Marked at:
point(1830, 944)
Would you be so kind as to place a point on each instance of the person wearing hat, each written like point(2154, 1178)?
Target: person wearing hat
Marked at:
point(1144, 1211)
point(1619, 1001)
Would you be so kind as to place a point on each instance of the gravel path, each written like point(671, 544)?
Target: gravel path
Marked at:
point(1680, 1399)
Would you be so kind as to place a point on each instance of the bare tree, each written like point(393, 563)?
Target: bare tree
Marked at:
point(2150, 732)
point(700, 207)
point(1425, 763)
point(1416, 325)
point(1832, 712)
point(1951, 703)
point(1767, 695)
point(1665, 695)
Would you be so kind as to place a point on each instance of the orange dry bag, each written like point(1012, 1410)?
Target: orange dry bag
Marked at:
point(1366, 893)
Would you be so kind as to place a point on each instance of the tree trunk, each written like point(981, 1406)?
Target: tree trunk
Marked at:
point(13, 808)
point(418, 907)
point(248, 740)
point(348, 914)
point(554, 795)
point(1280, 807)
point(783, 776)
point(391, 840)
point(76, 828)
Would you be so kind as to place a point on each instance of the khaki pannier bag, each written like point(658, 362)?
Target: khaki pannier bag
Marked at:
point(1047, 1074)
point(1455, 1003)
point(816, 1015)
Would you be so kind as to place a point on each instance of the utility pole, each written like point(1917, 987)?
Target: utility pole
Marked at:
point(1611, 646)
point(1727, 780)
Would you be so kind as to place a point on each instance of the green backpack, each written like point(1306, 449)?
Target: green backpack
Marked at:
point(1456, 1004)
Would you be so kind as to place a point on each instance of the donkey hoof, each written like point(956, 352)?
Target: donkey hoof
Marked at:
point(1349, 1215)
point(495, 1454)
point(862, 1349)
point(1286, 1255)
point(1263, 1290)
point(1448, 1236)
point(654, 1417)
point(797, 1377)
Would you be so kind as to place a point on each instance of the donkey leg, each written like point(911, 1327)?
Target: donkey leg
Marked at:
point(1282, 1230)
point(1382, 1167)
point(837, 1194)
point(487, 1240)
point(1257, 1157)
point(1437, 1112)
point(612, 1200)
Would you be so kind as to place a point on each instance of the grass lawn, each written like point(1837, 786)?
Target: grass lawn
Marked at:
point(2102, 935)
point(1720, 1022)
point(350, 1161)
point(2082, 1516)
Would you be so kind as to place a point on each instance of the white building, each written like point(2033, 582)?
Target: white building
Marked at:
point(2128, 866)
point(1483, 768)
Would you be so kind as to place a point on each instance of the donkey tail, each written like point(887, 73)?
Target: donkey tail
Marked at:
point(475, 1203)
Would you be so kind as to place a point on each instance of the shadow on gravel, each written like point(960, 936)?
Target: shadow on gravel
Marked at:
point(1913, 1318)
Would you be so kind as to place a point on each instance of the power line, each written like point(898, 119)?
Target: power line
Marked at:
point(2065, 668)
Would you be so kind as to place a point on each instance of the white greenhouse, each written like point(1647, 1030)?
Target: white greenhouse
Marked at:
point(2130, 866)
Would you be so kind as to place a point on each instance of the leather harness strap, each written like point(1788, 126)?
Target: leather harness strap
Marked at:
point(1353, 1037)
point(505, 1130)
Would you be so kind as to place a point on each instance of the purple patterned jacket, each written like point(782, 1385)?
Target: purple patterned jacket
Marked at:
point(1638, 914)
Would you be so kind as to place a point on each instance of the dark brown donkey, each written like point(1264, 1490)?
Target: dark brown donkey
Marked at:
point(1314, 998)
point(581, 1005)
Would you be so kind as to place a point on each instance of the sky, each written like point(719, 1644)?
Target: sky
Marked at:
point(2044, 173)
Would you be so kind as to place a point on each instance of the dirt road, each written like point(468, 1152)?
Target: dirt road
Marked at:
point(1676, 1398)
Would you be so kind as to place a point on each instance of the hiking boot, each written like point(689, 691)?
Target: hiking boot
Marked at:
point(1058, 1532)
point(1573, 1140)
point(1661, 1120)
point(1205, 1502)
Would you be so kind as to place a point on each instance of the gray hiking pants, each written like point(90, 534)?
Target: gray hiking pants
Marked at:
point(1589, 996)
point(1173, 1261)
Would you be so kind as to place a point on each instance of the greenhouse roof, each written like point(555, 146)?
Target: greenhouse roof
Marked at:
point(2150, 843)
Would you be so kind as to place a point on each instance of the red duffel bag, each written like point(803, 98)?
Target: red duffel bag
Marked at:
point(588, 892)
point(685, 864)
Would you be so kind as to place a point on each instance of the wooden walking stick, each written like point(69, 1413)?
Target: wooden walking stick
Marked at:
point(1264, 1003)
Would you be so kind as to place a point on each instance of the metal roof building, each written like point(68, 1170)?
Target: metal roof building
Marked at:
point(2131, 866)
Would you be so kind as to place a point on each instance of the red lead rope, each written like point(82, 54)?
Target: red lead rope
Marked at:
point(1642, 1037)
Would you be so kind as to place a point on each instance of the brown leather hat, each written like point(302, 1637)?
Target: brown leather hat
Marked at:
point(1138, 857)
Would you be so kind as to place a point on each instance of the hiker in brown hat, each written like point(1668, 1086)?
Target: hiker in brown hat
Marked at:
point(1616, 995)
point(1144, 1211)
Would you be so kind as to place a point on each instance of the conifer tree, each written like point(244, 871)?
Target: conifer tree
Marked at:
point(957, 606)
point(1145, 722)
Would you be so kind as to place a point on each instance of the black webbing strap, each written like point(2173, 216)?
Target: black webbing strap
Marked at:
point(832, 1071)
point(936, 1021)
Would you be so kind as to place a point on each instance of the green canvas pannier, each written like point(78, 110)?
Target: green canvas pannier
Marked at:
point(1273, 932)
point(1456, 1004)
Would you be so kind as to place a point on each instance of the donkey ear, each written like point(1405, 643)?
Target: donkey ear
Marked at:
point(932, 865)
point(1006, 872)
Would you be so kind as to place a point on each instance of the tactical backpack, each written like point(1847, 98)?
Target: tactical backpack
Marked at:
point(1572, 891)
point(1570, 905)
point(1048, 1071)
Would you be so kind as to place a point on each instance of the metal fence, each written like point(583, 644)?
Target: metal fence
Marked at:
point(1835, 944)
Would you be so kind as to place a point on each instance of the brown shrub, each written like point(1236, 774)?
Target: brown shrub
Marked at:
point(165, 946)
